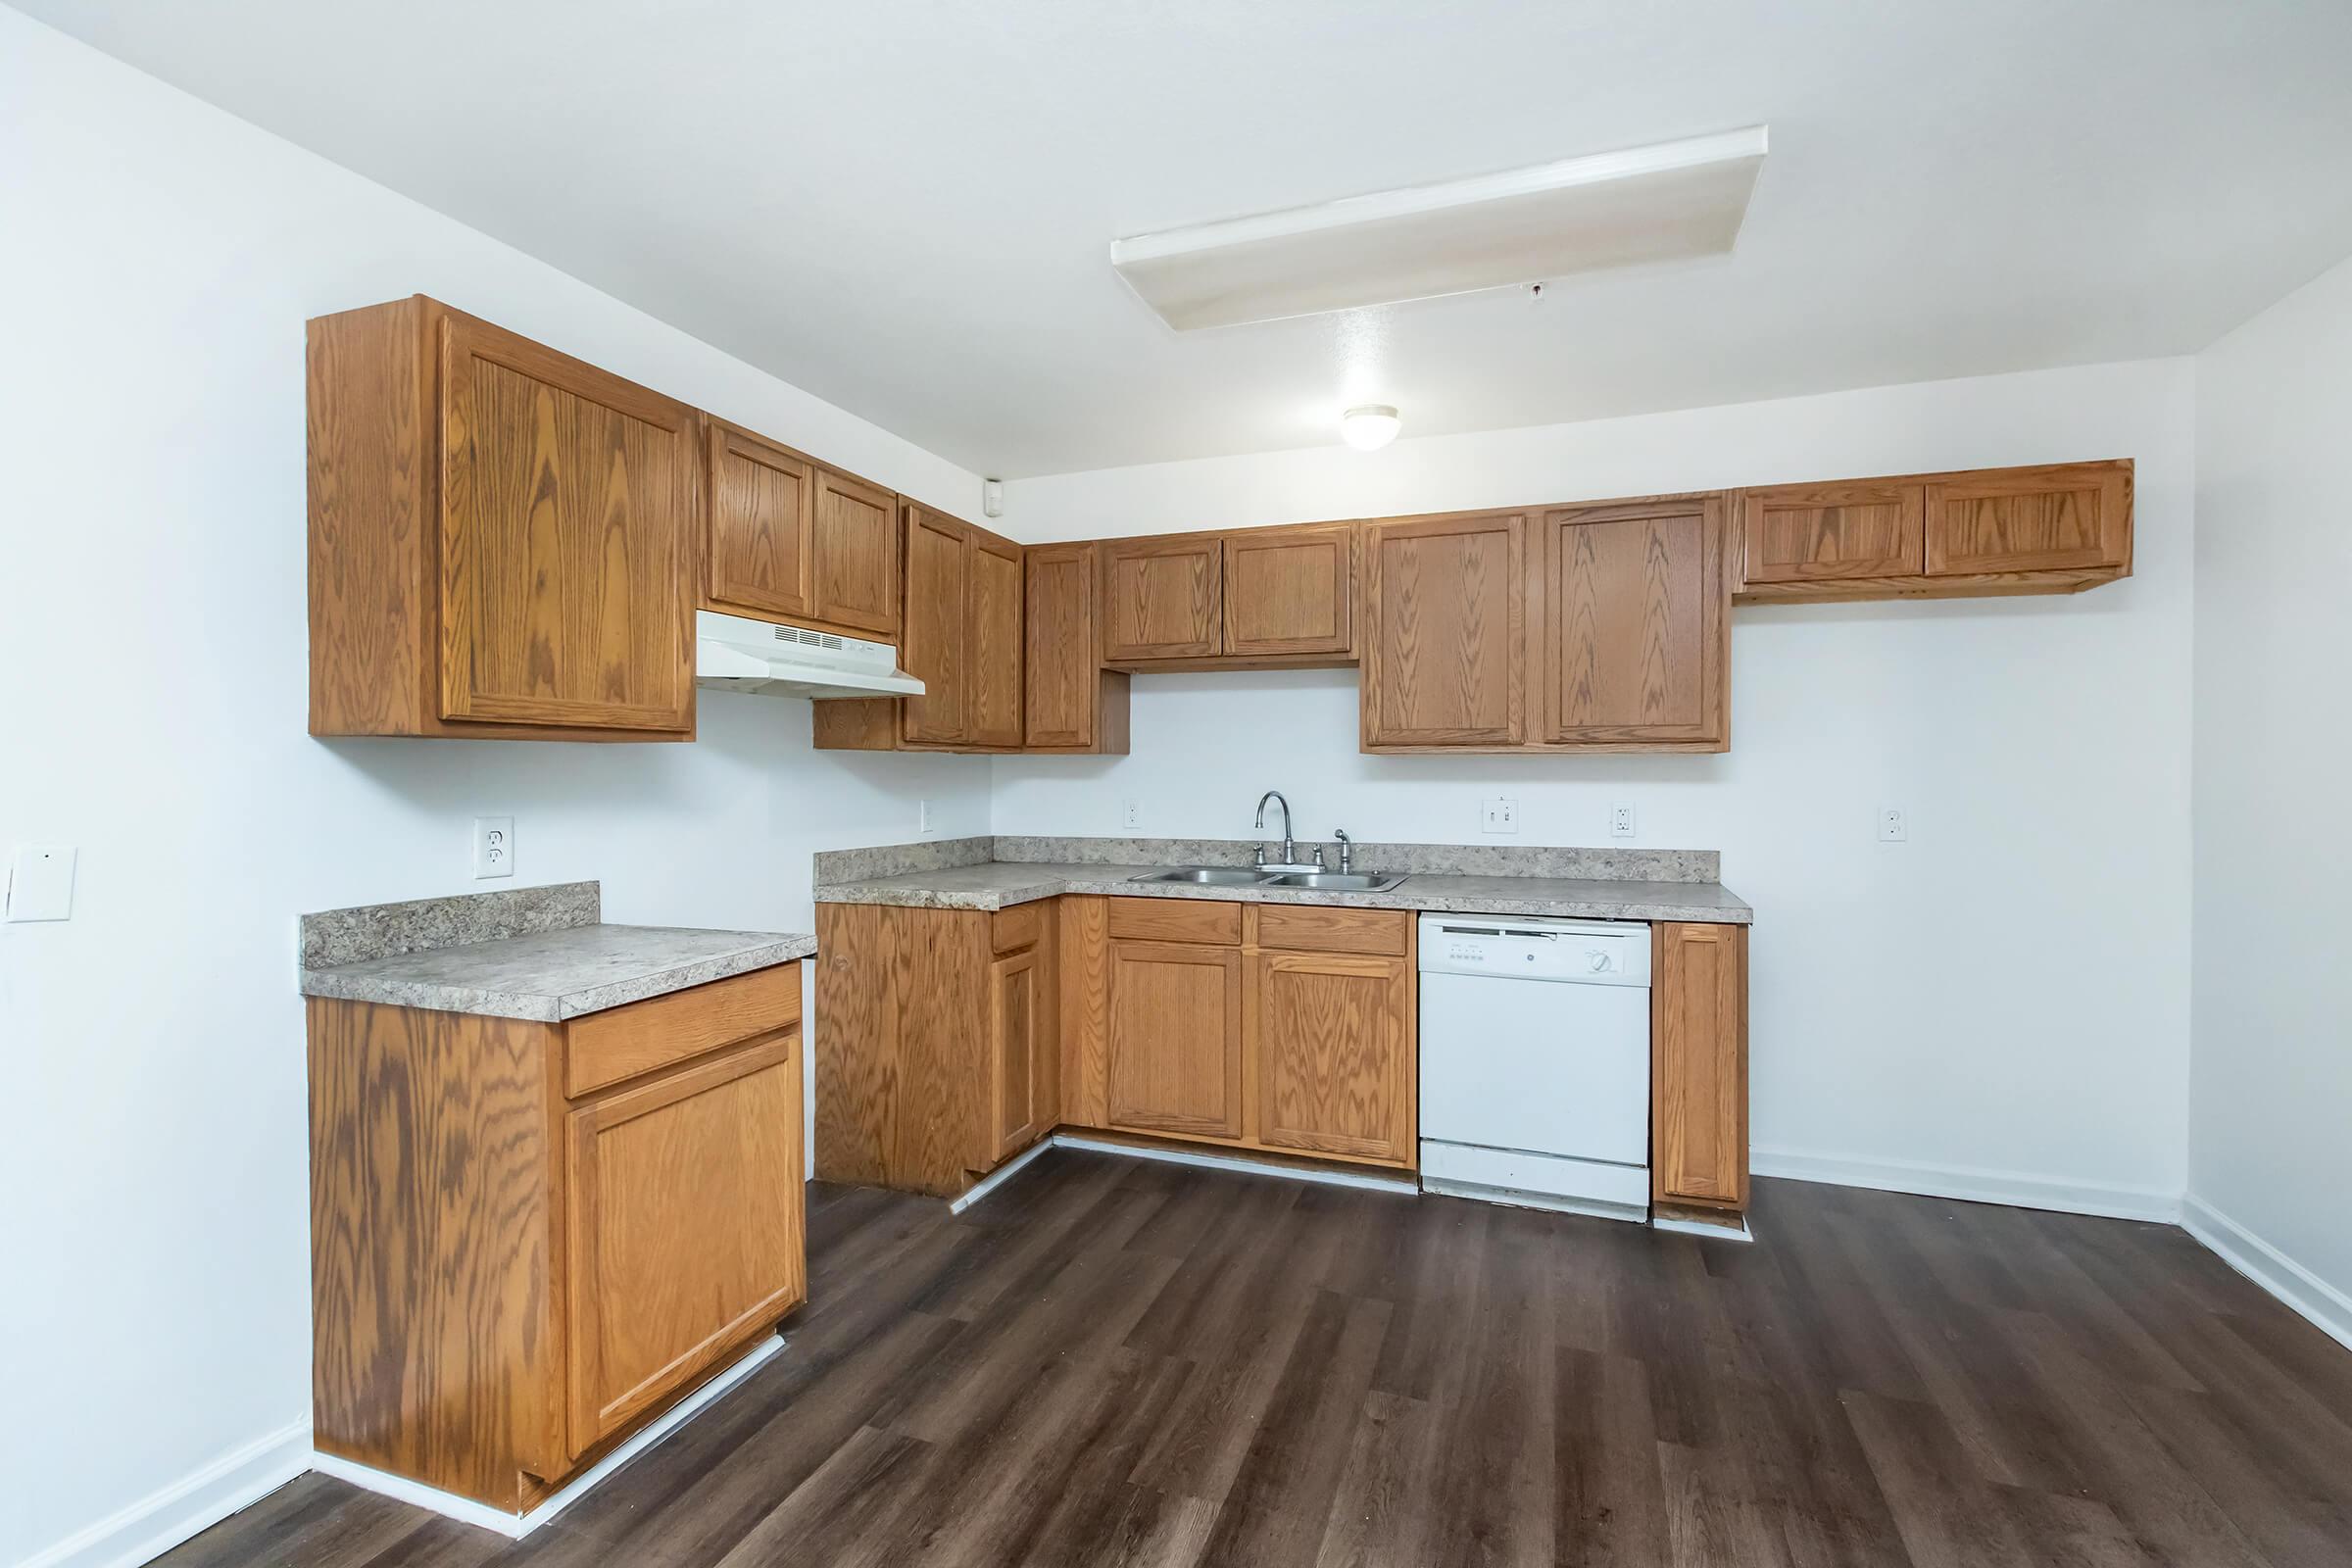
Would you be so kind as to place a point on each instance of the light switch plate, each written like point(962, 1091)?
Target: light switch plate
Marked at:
point(40, 882)
point(493, 847)
point(1621, 821)
point(1499, 815)
point(1894, 826)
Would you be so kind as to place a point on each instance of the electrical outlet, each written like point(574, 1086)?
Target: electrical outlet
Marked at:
point(1621, 821)
point(926, 820)
point(1894, 826)
point(1131, 814)
point(493, 847)
point(1500, 816)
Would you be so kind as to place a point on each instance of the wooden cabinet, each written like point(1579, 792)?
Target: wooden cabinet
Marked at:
point(502, 538)
point(1290, 591)
point(1070, 702)
point(856, 546)
point(1444, 633)
point(1698, 1066)
point(937, 650)
point(1163, 598)
point(1635, 626)
point(1333, 1036)
point(1016, 1050)
point(992, 644)
point(526, 1238)
point(2071, 518)
point(1175, 1038)
point(1810, 533)
point(792, 541)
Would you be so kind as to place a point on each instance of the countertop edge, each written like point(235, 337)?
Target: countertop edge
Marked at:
point(553, 1007)
point(1400, 897)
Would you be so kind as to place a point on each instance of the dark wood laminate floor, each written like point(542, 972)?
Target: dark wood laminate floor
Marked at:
point(1118, 1362)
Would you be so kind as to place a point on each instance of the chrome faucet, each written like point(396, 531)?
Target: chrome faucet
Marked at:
point(1290, 849)
point(1346, 848)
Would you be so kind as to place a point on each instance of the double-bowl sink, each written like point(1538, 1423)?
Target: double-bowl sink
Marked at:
point(1245, 876)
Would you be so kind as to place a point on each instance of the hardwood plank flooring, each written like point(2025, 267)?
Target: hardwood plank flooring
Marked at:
point(1122, 1364)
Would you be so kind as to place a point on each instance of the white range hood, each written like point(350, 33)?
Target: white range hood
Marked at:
point(737, 653)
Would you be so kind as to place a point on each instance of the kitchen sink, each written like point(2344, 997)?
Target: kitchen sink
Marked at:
point(1335, 881)
point(1223, 876)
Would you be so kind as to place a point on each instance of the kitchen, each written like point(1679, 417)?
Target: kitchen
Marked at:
point(1950, 1071)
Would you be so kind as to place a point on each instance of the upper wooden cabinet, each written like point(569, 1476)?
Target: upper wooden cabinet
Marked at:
point(857, 549)
point(790, 540)
point(1163, 598)
point(1069, 702)
point(502, 537)
point(1290, 591)
point(1990, 532)
point(936, 650)
point(1634, 625)
point(1444, 633)
point(962, 639)
point(992, 644)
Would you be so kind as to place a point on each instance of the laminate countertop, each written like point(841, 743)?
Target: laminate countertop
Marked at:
point(1001, 884)
point(553, 975)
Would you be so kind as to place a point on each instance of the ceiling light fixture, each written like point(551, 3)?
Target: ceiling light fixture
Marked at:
point(1370, 427)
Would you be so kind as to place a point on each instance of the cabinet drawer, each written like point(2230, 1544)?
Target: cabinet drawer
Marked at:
point(1176, 920)
point(1310, 929)
point(605, 1048)
point(1011, 930)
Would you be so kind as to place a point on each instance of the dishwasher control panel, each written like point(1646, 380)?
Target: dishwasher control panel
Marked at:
point(1592, 952)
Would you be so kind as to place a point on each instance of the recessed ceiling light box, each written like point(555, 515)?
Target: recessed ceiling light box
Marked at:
point(1664, 202)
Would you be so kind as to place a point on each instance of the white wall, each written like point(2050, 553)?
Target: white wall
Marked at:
point(2271, 1125)
point(2006, 993)
point(161, 260)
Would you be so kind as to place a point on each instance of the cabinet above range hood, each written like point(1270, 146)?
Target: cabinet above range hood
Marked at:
point(737, 653)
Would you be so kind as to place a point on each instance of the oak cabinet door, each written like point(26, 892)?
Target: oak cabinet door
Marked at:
point(1444, 633)
point(1332, 1037)
point(762, 525)
point(685, 1226)
point(1163, 598)
point(1698, 1065)
point(2064, 518)
point(1016, 1045)
point(1175, 1038)
point(570, 501)
point(1060, 679)
point(857, 554)
point(1825, 532)
point(994, 641)
point(937, 645)
point(1635, 624)
point(1291, 591)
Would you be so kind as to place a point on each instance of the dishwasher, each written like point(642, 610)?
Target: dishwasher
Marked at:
point(1535, 1061)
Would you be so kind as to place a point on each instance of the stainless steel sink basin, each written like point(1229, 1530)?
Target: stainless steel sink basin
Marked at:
point(1335, 881)
point(1223, 876)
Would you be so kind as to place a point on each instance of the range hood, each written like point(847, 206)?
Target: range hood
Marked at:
point(737, 653)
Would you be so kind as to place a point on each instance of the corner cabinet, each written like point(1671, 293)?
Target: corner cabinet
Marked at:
point(1070, 702)
point(503, 539)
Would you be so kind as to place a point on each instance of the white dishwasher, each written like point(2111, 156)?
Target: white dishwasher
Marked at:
point(1535, 1061)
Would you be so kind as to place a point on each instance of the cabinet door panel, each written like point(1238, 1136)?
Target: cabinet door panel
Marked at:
point(857, 554)
point(1332, 1037)
point(937, 648)
point(1291, 591)
point(569, 498)
point(2063, 517)
point(1163, 599)
point(1698, 1065)
point(1015, 1045)
point(763, 521)
point(1636, 624)
point(1175, 1038)
point(1061, 703)
point(1819, 532)
point(686, 1230)
point(993, 638)
point(1444, 612)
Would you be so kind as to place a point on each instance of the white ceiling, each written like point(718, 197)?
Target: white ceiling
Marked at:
point(904, 206)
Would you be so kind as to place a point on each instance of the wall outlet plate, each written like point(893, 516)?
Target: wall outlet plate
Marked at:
point(1894, 826)
point(1131, 814)
point(40, 882)
point(1499, 815)
point(926, 818)
point(1621, 821)
point(493, 847)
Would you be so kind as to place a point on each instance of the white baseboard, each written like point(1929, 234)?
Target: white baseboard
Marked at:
point(2328, 1308)
point(1241, 1163)
point(1700, 1227)
point(195, 1502)
point(1000, 1176)
point(1972, 1184)
point(515, 1525)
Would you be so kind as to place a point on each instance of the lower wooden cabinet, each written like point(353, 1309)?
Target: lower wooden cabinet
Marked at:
point(1333, 1036)
point(1698, 1066)
point(509, 1274)
point(1017, 1047)
point(1175, 1038)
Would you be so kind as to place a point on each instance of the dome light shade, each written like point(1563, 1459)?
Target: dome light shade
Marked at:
point(1370, 427)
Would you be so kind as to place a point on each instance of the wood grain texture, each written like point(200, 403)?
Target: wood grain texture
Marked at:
point(1971, 585)
point(685, 1232)
point(862, 969)
point(606, 1048)
point(1698, 1065)
point(1332, 1037)
point(993, 643)
point(1174, 1039)
point(1116, 1362)
point(1070, 702)
point(1021, 926)
point(1315, 929)
point(1291, 591)
point(1016, 1046)
point(761, 556)
point(432, 1209)
point(1444, 631)
point(1802, 533)
point(1634, 638)
point(2067, 516)
point(1082, 960)
point(937, 648)
point(1209, 920)
point(1163, 598)
point(856, 552)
